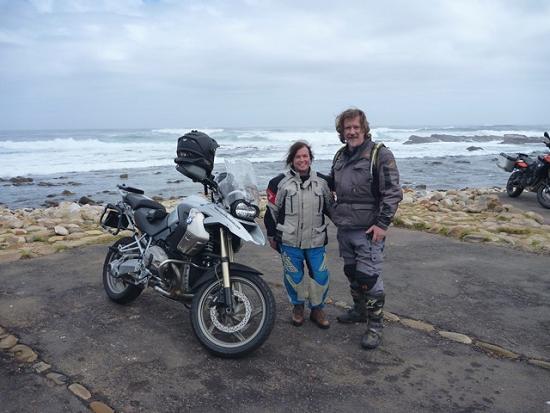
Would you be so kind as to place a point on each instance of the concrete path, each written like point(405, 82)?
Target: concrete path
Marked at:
point(143, 357)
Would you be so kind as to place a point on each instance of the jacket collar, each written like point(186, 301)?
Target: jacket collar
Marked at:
point(357, 153)
point(296, 176)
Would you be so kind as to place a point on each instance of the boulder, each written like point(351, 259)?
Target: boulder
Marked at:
point(60, 230)
point(84, 200)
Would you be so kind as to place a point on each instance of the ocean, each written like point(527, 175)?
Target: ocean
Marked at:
point(68, 164)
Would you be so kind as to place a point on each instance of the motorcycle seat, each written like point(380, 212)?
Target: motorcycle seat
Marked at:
point(145, 224)
point(137, 201)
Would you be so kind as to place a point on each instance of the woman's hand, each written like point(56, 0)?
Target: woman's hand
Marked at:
point(273, 244)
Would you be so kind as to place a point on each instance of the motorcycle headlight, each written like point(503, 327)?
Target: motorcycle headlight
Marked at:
point(242, 210)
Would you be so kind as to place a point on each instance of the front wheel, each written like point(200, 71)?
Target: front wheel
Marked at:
point(118, 290)
point(543, 194)
point(243, 330)
point(513, 187)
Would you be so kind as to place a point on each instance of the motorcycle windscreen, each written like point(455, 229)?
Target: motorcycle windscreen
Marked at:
point(238, 182)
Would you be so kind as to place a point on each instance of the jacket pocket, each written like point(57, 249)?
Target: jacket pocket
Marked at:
point(377, 251)
point(291, 202)
point(362, 215)
point(319, 200)
point(319, 236)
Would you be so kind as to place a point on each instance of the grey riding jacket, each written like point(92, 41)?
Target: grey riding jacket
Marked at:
point(363, 200)
point(297, 209)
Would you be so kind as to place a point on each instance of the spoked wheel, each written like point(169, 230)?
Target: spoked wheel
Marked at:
point(543, 195)
point(118, 290)
point(513, 187)
point(241, 331)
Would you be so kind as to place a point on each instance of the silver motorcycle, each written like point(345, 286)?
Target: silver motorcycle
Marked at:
point(188, 255)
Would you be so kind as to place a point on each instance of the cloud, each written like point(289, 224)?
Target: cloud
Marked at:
point(278, 51)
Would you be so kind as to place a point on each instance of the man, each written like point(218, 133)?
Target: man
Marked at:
point(366, 182)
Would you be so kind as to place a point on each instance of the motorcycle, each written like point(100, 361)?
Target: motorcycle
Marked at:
point(188, 255)
point(528, 173)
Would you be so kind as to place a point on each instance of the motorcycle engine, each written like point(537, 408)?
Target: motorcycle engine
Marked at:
point(154, 256)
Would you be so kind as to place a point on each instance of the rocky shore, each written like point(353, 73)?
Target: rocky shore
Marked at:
point(475, 215)
point(471, 215)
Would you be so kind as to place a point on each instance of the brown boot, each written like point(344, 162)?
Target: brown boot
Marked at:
point(318, 317)
point(298, 315)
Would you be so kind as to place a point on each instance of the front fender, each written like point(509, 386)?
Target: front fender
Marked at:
point(234, 267)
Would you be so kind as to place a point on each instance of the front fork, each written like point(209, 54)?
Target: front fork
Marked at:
point(226, 252)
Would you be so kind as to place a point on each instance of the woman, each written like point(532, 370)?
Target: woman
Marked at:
point(298, 201)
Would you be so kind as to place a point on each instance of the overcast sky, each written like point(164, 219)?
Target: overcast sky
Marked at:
point(168, 63)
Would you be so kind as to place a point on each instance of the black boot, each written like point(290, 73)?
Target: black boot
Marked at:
point(357, 313)
point(375, 307)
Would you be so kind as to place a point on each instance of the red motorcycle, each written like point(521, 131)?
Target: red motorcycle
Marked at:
point(528, 173)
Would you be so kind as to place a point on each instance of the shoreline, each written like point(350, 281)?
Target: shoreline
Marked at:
point(432, 173)
point(470, 215)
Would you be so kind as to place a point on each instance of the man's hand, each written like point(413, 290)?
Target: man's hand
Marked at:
point(378, 234)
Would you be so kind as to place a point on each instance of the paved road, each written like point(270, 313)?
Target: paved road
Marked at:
point(143, 357)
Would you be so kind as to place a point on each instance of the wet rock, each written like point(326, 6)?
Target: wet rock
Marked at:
point(41, 367)
point(49, 203)
point(99, 407)
point(417, 325)
point(8, 342)
point(57, 378)
point(23, 353)
point(66, 192)
point(496, 350)
point(123, 176)
point(84, 200)
point(80, 391)
point(515, 139)
point(21, 180)
point(474, 148)
point(540, 363)
point(394, 318)
point(459, 338)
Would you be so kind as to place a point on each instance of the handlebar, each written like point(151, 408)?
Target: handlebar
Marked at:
point(130, 189)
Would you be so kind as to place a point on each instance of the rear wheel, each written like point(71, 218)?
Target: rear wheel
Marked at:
point(246, 328)
point(117, 289)
point(513, 187)
point(543, 194)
